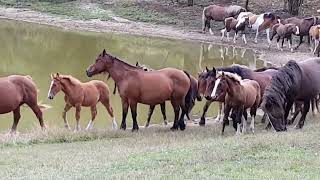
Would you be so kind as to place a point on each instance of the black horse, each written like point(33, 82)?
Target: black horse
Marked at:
point(293, 82)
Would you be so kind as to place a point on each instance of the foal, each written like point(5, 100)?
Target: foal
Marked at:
point(240, 95)
point(79, 94)
point(233, 24)
point(284, 31)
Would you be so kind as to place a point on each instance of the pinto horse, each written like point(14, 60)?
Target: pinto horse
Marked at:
point(296, 81)
point(79, 94)
point(151, 88)
point(262, 76)
point(240, 95)
point(17, 90)
point(219, 13)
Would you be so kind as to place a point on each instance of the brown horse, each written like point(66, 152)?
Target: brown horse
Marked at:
point(151, 88)
point(17, 90)
point(219, 13)
point(314, 34)
point(284, 31)
point(79, 94)
point(240, 95)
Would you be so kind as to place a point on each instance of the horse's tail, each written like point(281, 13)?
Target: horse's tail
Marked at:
point(189, 100)
point(43, 107)
point(204, 19)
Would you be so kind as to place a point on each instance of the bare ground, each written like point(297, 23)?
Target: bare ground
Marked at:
point(121, 25)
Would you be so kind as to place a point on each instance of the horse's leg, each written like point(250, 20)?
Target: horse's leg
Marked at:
point(219, 113)
point(78, 109)
point(182, 125)
point(37, 111)
point(151, 109)
point(222, 33)
point(235, 37)
point(115, 88)
point(287, 111)
point(256, 38)
point(313, 102)
point(253, 113)
point(209, 26)
point(176, 109)
point(282, 44)
point(316, 43)
point(93, 117)
point(295, 114)
point(244, 38)
point(268, 37)
point(278, 39)
point(133, 108)
point(301, 41)
point(125, 106)
point(228, 36)
point(306, 107)
point(263, 120)
point(16, 118)
point(225, 123)
point(205, 109)
point(290, 44)
point(107, 105)
point(163, 111)
point(244, 121)
point(67, 107)
point(239, 113)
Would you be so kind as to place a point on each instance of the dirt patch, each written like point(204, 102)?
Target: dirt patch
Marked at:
point(146, 29)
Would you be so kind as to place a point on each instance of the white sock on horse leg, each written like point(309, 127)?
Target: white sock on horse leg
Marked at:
point(252, 124)
point(244, 38)
point(228, 36)
point(114, 123)
point(210, 30)
point(90, 125)
point(244, 125)
point(222, 33)
point(278, 45)
point(238, 129)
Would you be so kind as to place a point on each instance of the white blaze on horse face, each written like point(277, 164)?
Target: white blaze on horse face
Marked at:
point(216, 84)
point(49, 92)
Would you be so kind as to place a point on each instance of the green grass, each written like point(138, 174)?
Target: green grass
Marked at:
point(158, 153)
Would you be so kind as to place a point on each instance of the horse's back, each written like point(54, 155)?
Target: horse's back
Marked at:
point(310, 83)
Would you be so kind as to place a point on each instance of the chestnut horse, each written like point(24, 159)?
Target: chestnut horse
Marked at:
point(240, 95)
point(151, 88)
point(79, 94)
point(15, 91)
point(293, 82)
point(219, 13)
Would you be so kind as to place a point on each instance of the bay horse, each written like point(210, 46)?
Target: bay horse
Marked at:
point(296, 81)
point(263, 76)
point(259, 22)
point(304, 26)
point(314, 34)
point(151, 88)
point(17, 90)
point(78, 94)
point(284, 31)
point(219, 13)
point(240, 95)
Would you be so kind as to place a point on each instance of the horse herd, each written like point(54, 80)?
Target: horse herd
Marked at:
point(238, 19)
point(236, 87)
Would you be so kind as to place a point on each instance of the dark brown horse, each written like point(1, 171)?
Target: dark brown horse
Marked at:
point(240, 95)
point(77, 94)
point(284, 31)
point(15, 91)
point(293, 82)
point(303, 24)
point(219, 13)
point(151, 88)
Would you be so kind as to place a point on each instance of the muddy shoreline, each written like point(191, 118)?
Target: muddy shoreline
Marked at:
point(120, 25)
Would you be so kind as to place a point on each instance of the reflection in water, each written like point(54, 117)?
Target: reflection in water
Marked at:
point(40, 50)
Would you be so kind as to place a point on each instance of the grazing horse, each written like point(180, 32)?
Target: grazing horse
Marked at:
point(231, 23)
point(240, 95)
point(293, 82)
point(303, 24)
point(314, 34)
point(15, 91)
point(151, 88)
point(259, 23)
point(284, 31)
point(79, 94)
point(219, 13)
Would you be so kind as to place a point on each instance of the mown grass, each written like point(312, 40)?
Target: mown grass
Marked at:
point(158, 153)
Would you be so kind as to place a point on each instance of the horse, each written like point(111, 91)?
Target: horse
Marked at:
point(303, 24)
point(231, 23)
point(262, 76)
point(17, 90)
point(299, 109)
point(314, 34)
point(219, 13)
point(151, 88)
point(259, 22)
point(240, 95)
point(284, 31)
point(296, 81)
point(78, 94)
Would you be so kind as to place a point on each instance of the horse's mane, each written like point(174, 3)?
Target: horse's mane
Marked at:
point(309, 18)
point(72, 80)
point(243, 71)
point(232, 76)
point(283, 83)
point(265, 68)
point(121, 61)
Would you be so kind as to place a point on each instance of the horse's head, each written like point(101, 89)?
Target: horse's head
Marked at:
point(271, 18)
point(55, 85)
point(210, 80)
point(244, 22)
point(274, 111)
point(102, 63)
point(219, 88)
point(202, 81)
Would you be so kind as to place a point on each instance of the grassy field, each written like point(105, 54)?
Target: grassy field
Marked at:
point(158, 153)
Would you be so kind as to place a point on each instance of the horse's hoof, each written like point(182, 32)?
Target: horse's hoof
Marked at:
point(182, 127)
point(135, 129)
point(146, 126)
point(174, 128)
point(165, 123)
point(123, 127)
point(202, 123)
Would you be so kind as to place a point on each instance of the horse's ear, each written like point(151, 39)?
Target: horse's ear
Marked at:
point(137, 63)
point(57, 75)
point(207, 68)
point(214, 70)
point(52, 76)
point(104, 52)
point(222, 73)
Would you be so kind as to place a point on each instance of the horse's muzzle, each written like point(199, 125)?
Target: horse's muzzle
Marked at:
point(88, 73)
point(208, 97)
point(50, 97)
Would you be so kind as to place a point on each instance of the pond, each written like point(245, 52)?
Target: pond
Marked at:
point(39, 50)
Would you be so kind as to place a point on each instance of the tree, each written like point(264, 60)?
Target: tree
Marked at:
point(294, 6)
point(190, 2)
point(247, 4)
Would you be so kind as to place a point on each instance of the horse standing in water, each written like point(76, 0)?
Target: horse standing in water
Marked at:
point(296, 81)
point(219, 13)
point(151, 88)
point(17, 90)
point(240, 95)
point(79, 94)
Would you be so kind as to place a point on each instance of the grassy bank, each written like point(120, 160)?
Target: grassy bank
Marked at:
point(156, 153)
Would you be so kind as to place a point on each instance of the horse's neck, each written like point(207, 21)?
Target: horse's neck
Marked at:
point(119, 71)
point(233, 88)
point(68, 88)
